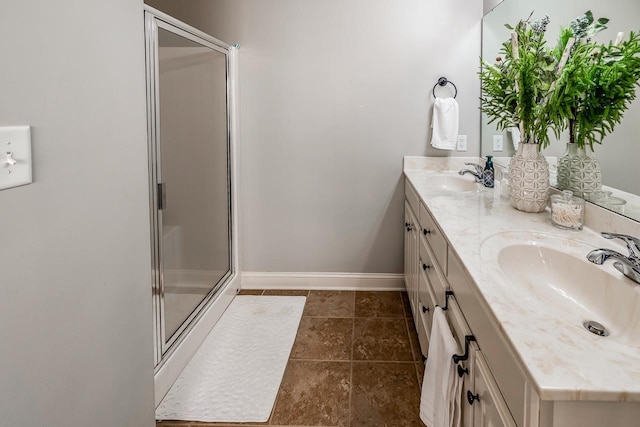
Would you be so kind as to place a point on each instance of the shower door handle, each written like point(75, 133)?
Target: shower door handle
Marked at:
point(162, 196)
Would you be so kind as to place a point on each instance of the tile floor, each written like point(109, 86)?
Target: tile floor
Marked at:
point(356, 362)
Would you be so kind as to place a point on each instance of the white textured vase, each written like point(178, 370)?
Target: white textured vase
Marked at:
point(579, 171)
point(528, 179)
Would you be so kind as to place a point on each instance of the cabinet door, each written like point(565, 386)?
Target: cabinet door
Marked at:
point(460, 330)
point(489, 407)
point(411, 256)
point(407, 241)
point(425, 308)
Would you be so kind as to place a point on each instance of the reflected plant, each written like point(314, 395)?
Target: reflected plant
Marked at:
point(598, 82)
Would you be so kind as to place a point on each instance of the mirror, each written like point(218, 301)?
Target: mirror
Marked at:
point(619, 152)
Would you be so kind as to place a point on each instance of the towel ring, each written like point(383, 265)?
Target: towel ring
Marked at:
point(442, 81)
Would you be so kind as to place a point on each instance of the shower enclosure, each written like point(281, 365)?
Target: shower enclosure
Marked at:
point(190, 165)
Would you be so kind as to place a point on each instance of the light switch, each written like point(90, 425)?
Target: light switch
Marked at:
point(462, 143)
point(497, 143)
point(15, 156)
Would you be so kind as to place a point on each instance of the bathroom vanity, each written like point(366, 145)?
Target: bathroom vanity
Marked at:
point(517, 291)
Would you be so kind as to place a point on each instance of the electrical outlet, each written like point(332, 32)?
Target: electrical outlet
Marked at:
point(497, 143)
point(462, 143)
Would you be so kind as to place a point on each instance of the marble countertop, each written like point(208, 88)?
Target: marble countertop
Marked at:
point(561, 359)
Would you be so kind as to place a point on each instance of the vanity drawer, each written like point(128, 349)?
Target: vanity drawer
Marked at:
point(434, 236)
point(498, 353)
point(411, 196)
point(433, 272)
point(426, 305)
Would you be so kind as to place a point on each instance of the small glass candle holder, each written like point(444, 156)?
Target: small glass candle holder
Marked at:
point(567, 211)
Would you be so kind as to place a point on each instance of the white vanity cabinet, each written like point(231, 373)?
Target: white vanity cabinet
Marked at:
point(489, 409)
point(508, 379)
point(427, 263)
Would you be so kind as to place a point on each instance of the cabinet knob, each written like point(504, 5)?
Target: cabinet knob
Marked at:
point(462, 371)
point(424, 310)
point(425, 267)
point(471, 397)
point(425, 231)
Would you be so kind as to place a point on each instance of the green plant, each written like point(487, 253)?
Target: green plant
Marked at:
point(516, 90)
point(599, 81)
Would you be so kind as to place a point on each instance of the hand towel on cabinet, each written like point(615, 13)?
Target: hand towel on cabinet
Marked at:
point(441, 387)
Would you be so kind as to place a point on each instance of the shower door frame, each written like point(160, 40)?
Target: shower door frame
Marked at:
point(155, 20)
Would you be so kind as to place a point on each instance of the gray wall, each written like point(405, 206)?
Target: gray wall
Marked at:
point(75, 301)
point(333, 95)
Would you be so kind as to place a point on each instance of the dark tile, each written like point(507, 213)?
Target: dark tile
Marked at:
point(379, 304)
point(329, 304)
point(406, 304)
point(413, 339)
point(323, 338)
point(287, 292)
point(250, 292)
point(313, 394)
point(381, 339)
point(385, 394)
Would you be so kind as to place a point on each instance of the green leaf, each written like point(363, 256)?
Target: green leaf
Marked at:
point(589, 15)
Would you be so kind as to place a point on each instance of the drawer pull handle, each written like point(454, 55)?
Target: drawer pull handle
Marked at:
point(471, 397)
point(462, 371)
point(425, 267)
point(425, 309)
point(447, 294)
point(459, 357)
point(425, 231)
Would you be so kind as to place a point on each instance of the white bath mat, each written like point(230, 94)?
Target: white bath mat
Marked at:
point(235, 375)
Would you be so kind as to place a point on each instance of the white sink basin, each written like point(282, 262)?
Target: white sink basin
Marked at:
point(455, 183)
point(557, 274)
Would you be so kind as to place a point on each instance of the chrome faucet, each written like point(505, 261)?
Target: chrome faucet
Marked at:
point(478, 174)
point(627, 265)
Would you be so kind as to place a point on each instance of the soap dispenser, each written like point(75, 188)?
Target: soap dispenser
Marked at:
point(488, 175)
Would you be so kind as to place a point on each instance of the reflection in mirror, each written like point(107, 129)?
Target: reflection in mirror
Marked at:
point(619, 153)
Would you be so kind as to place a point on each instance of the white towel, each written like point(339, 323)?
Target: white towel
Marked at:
point(441, 386)
point(445, 124)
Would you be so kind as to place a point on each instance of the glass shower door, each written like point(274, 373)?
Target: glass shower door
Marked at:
point(191, 178)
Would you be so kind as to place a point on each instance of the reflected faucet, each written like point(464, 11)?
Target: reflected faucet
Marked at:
point(627, 265)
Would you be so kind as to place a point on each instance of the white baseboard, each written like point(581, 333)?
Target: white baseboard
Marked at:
point(323, 281)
